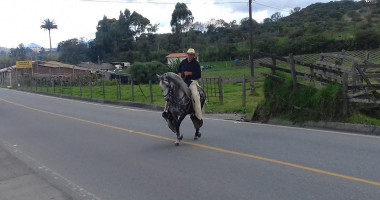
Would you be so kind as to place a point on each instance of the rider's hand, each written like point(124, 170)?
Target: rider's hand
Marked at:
point(188, 73)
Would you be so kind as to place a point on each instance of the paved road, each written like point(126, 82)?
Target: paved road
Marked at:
point(116, 153)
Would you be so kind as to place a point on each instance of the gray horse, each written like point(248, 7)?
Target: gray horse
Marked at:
point(179, 103)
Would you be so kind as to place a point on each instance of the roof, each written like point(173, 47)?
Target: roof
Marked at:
point(176, 55)
point(54, 64)
point(5, 69)
point(93, 66)
point(107, 66)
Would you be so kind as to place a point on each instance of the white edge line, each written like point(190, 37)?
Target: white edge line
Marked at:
point(37, 165)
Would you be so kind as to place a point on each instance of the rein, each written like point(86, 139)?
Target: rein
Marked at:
point(173, 99)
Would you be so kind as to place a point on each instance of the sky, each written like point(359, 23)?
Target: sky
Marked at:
point(20, 20)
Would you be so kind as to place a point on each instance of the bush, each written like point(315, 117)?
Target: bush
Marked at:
point(143, 72)
point(110, 82)
point(365, 39)
point(305, 103)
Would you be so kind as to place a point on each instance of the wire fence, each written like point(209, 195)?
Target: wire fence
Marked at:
point(369, 55)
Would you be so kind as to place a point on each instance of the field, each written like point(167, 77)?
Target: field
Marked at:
point(231, 74)
point(232, 92)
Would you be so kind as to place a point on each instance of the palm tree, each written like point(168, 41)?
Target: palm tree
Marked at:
point(48, 25)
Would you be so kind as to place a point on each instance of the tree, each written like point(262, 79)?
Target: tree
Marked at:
point(295, 10)
point(72, 51)
point(244, 25)
point(114, 36)
point(5, 61)
point(48, 25)
point(181, 18)
point(19, 53)
point(367, 39)
point(198, 27)
point(276, 16)
point(138, 23)
point(143, 72)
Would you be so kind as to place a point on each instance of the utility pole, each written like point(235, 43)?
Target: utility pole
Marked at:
point(251, 46)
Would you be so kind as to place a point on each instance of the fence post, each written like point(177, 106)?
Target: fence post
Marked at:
point(293, 70)
point(103, 89)
point(220, 85)
point(119, 84)
point(80, 88)
point(53, 86)
point(117, 90)
point(244, 92)
point(354, 76)
point(342, 59)
point(16, 78)
point(151, 91)
point(274, 64)
point(90, 89)
point(61, 85)
point(366, 56)
point(311, 73)
point(133, 90)
point(71, 86)
point(345, 94)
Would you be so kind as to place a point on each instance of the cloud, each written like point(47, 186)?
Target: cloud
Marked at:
point(21, 19)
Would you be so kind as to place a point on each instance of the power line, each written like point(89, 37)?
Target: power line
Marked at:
point(258, 3)
point(161, 2)
point(172, 3)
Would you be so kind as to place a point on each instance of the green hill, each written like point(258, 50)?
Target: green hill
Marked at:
point(322, 27)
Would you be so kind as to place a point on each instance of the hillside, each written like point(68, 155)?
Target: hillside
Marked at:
point(322, 27)
point(4, 50)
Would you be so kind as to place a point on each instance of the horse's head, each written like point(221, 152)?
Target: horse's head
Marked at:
point(165, 85)
point(172, 83)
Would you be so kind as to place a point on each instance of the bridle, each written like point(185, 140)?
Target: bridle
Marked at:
point(173, 99)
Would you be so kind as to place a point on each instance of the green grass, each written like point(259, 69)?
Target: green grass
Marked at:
point(229, 70)
point(358, 118)
point(232, 96)
point(303, 104)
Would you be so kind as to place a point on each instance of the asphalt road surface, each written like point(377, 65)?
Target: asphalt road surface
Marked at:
point(117, 153)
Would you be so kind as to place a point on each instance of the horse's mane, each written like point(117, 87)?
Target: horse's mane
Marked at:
point(178, 81)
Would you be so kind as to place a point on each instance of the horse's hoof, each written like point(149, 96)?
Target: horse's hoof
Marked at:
point(199, 135)
point(165, 115)
point(176, 143)
point(195, 137)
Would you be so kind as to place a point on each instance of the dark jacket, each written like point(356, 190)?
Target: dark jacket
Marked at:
point(193, 67)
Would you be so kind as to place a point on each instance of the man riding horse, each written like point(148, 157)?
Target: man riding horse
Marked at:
point(183, 95)
point(190, 71)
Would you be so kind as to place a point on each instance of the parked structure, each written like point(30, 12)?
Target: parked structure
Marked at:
point(174, 57)
point(41, 69)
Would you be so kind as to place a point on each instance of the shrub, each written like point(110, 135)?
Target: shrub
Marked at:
point(110, 82)
point(143, 72)
point(305, 103)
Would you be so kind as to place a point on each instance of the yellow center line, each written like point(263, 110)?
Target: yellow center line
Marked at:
point(206, 147)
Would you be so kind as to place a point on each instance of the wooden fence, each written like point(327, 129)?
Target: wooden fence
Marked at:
point(359, 77)
point(213, 87)
point(87, 86)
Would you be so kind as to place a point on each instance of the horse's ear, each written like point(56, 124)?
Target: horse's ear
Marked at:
point(158, 76)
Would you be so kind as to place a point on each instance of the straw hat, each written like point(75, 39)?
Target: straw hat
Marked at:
point(191, 51)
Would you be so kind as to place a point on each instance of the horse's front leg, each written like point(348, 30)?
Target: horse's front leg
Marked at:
point(178, 124)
